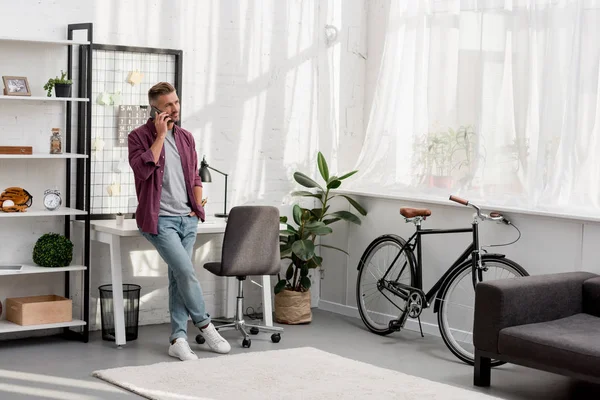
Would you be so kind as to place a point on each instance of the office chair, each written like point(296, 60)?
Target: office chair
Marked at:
point(250, 247)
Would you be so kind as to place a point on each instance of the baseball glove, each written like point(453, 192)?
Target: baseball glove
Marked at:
point(15, 199)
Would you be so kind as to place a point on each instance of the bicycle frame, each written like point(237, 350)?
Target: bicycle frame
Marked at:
point(472, 251)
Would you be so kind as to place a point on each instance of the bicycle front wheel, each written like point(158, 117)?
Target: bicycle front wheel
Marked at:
point(378, 305)
point(457, 306)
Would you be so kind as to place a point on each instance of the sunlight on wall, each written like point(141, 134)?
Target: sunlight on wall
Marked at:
point(263, 89)
point(146, 263)
point(261, 84)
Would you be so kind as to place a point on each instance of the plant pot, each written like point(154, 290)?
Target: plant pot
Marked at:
point(120, 220)
point(293, 307)
point(62, 89)
point(440, 181)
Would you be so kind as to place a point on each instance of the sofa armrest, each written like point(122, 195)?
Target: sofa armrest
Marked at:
point(503, 303)
point(591, 296)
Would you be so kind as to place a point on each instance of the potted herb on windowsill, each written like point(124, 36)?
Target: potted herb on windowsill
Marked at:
point(297, 242)
point(62, 86)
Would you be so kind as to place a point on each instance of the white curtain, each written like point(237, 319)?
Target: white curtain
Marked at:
point(495, 100)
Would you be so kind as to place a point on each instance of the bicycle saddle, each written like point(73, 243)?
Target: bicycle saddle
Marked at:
point(408, 212)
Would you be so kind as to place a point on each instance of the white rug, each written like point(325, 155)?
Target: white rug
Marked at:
point(301, 373)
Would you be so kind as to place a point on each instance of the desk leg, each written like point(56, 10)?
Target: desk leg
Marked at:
point(266, 294)
point(117, 285)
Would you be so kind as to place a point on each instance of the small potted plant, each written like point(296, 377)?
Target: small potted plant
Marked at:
point(53, 250)
point(62, 86)
point(120, 219)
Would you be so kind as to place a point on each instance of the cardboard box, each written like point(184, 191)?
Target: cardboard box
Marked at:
point(36, 310)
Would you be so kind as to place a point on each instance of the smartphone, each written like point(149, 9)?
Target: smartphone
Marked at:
point(154, 111)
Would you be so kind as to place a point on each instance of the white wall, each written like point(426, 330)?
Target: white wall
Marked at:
point(262, 93)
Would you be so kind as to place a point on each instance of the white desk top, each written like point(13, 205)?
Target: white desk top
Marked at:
point(129, 227)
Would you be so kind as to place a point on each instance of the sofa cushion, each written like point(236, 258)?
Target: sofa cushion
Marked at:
point(591, 296)
point(572, 343)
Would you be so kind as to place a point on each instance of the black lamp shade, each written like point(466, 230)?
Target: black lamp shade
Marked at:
point(204, 172)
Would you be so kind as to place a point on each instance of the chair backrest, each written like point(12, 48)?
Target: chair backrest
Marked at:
point(251, 242)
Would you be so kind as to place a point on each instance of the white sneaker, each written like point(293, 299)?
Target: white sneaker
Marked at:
point(214, 340)
point(181, 349)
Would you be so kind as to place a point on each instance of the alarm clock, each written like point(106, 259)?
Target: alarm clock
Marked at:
point(52, 199)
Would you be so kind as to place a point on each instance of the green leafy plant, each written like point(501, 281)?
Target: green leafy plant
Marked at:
point(53, 81)
point(297, 242)
point(53, 250)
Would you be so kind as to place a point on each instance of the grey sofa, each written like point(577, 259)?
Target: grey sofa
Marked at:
point(548, 322)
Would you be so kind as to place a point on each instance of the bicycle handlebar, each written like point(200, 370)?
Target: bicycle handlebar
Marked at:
point(459, 200)
point(494, 216)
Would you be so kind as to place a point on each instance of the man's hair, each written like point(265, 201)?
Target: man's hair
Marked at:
point(158, 90)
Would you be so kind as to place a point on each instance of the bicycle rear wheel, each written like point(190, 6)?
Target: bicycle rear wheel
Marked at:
point(457, 306)
point(376, 304)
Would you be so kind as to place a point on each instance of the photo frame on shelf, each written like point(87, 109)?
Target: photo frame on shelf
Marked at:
point(16, 86)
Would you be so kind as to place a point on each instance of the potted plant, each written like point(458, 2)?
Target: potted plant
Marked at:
point(297, 242)
point(438, 156)
point(53, 250)
point(62, 86)
point(120, 218)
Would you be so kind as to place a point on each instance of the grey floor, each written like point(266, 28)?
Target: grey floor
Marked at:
point(54, 368)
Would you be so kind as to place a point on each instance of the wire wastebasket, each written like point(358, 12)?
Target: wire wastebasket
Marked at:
point(131, 303)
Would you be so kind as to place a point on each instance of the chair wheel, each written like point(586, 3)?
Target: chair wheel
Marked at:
point(200, 339)
point(254, 331)
point(275, 338)
point(246, 343)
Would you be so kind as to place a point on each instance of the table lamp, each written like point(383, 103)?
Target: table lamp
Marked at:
point(205, 177)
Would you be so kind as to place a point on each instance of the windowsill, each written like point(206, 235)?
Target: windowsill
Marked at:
point(444, 201)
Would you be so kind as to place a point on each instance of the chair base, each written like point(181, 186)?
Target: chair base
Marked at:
point(223, 325)
point(239, 324)
point(242, 326)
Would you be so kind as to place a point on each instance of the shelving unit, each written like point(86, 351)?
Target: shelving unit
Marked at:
point(36, 211)
point(44, 41)
point(41, 98)
point(7, 326)
point(34, 269)
point(78, 158)
point(44, 156)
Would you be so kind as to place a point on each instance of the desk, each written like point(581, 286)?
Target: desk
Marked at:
point(107, 231)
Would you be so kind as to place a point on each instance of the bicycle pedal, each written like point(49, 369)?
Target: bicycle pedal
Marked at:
point(395, 325)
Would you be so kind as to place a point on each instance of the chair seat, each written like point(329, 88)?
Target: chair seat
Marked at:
point(214, 267)
point(570, 343)
point(217, 269)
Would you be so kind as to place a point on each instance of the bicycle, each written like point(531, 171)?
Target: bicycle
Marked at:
point(401, 283)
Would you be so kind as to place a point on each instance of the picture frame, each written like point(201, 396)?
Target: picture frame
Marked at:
point(16, 86)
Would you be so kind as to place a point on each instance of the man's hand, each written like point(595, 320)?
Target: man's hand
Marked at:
point(161, 125)
point(193, 214)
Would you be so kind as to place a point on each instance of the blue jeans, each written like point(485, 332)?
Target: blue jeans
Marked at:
point(175, 243)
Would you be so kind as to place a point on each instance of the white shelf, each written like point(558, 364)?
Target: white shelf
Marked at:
point(7, 326)
point(42, 212)
point(43, 98)
point(34, 269)
point(44, 41)
point(44, 155)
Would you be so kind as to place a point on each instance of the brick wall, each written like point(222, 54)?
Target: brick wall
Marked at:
point(263, 91)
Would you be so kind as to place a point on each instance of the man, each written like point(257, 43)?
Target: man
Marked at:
point(169, 191)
